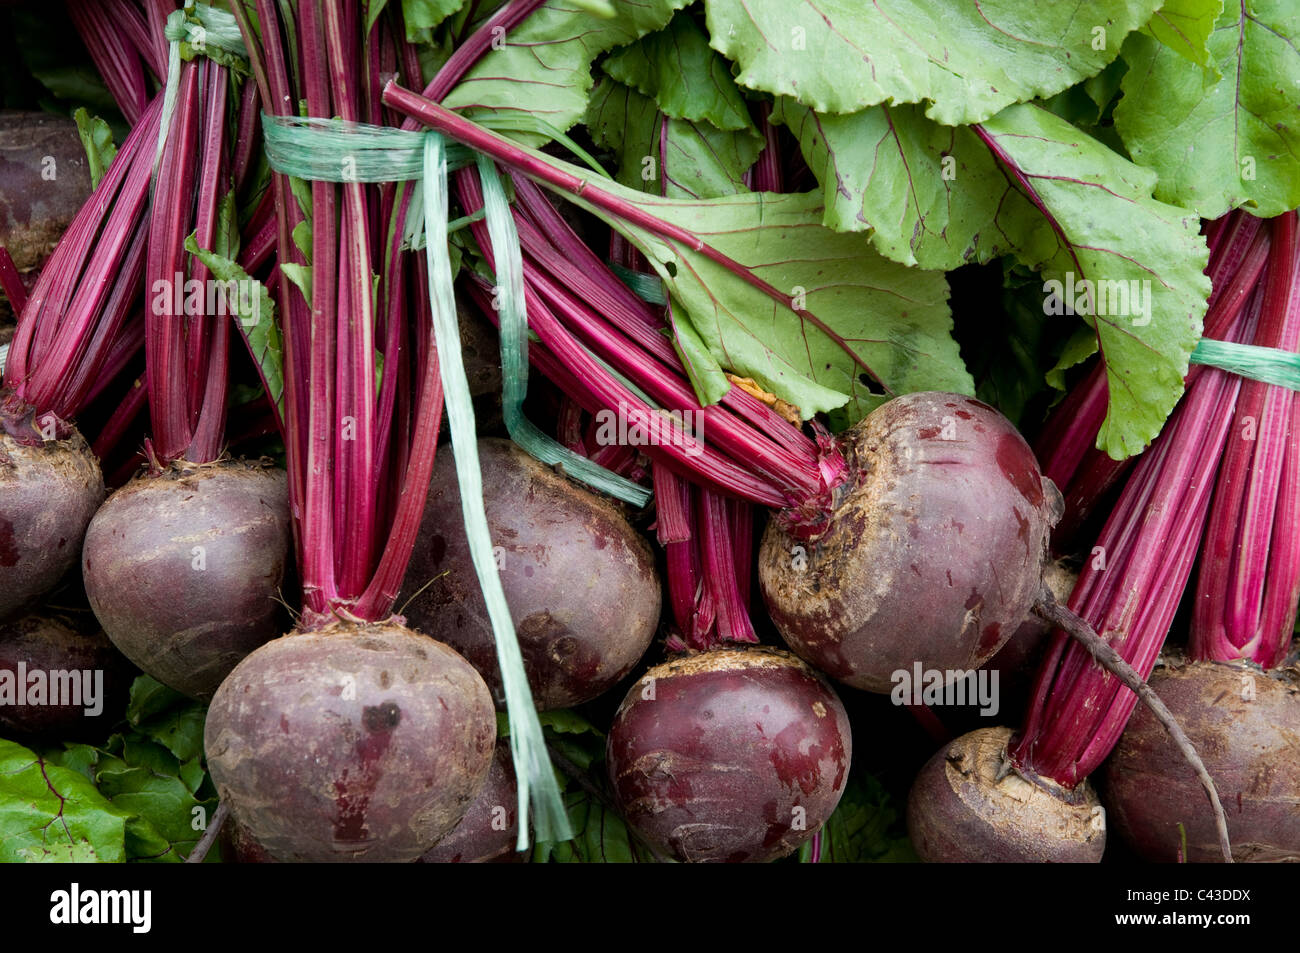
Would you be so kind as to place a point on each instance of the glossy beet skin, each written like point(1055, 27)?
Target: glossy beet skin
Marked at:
point(489, 831)
point(1245, 724)
point(351, 743)
point(733, 755)
point(935, 554)
point(579, 580)
point(184, 569)
point(48, 493)
point(50, 643)
point(968, 805)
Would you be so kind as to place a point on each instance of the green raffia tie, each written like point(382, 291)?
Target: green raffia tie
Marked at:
point(514, 349)
point(1268, 364)
point(203, 31)
point(335, 151)
point(535, 777)
point(649, 288)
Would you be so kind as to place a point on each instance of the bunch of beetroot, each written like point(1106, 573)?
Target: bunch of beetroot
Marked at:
point(1217, 484)
point(367, 727)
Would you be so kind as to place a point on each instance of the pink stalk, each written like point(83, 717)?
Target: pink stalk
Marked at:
point(716, 542)
point(1251, 535)
point(1130, 588)
point(165, 320)
point(89, 287)
point(11, 282)
point(552, 244)
point(767, 172)
point(121, 420)
point(114, 34)
point(355, 510)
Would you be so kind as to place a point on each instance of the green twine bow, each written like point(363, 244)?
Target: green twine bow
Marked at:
point(1268, 364)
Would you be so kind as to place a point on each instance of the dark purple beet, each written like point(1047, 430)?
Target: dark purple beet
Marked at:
point(351, 743)
point(579, 580)
point(54, 653)
point(936, 555)
point(1017, 661)
point(189, 626)
point(1245, 724)
point(238, 846)
point(968, 805)
point(734, 755)
point(487, 834)
point(489, 831)
point(48, 493)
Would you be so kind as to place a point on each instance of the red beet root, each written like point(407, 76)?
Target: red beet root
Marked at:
point(489, 830)
point(350, 743)
point(238, 846)
point(580, 582)
point(969, 805)
point(58, 681)
point(935, 555)
point(48, 493)
point(183, 569)
point(731, 755)
point(1245, 723)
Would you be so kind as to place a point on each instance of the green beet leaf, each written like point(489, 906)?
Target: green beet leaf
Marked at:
point(1225, 137)
point(543, 67)
point(420, 16)
point(1185, 26)
point(967, 60)
point(97, 138)
point(927, 194)
point(686, 78)
point(865, 828)
point(701, 160)
point(50, 813)
point(1144, 261)
point(843, 322)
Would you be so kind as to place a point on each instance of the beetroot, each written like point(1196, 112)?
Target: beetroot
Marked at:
point(183, 569)
point(1245, 723)
point(969, 804)
point(350, 743)
point(580, 582)
point(489, 830)
point(82, 679)
point(935, 555)
point(486, 834)
point(48, 493)
point(1018, 660)
point(239, 847)
point(729, 755)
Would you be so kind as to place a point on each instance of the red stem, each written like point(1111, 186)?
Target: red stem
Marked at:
point(538, 167)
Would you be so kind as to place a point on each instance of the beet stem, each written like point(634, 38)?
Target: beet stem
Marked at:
point(200, 851)
point(1058, 615)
